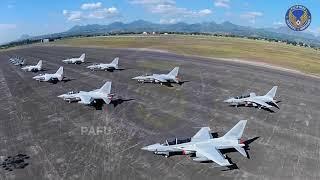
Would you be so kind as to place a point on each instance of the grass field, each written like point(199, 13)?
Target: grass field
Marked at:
point(306, 60)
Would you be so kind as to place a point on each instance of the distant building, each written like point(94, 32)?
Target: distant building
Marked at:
point(46, 40)
point(144, 33)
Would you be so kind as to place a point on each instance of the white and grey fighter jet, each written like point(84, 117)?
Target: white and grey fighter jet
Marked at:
point(58, 76)
point(19, 62)
point(254, 100)
point(160, 78)
point(75, 60)
point(33, 68)
point(90, 97)
point(106, 67)
point(203, 147)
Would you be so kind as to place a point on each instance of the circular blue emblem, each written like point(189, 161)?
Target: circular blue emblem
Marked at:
point(298, 18)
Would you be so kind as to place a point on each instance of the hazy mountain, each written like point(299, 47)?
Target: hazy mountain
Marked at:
point(281, 33)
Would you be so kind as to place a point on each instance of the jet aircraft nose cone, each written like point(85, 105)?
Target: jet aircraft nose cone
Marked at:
point(227, 100)
point(61, 96)
point(146, 148)
point(136, 78)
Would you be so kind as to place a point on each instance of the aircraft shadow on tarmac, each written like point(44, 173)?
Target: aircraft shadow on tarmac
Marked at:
point(100, 103)
point(264, 108)
point(168, 84)
point(63, 80)
point(15, 162)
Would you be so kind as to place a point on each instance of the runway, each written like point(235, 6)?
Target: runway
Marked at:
point(36, 123)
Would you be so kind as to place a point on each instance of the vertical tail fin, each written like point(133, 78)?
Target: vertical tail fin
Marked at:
point(115, 61)
point(60, 71)
point(39, 64)
point(82, 57)
point(174, 72)
point(272, 92)
point(236, 132)
point(106, 88)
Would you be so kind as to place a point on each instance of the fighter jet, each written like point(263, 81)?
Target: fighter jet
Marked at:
point(107, 67)
point(58, 76)
point(75, 60)
point(32, 68)
point(257, 101)
point(90, 97)
point(160, 78)
point(202, 146)
point(19, 62)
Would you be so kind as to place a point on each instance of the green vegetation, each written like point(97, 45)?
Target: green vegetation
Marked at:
point(281, 54)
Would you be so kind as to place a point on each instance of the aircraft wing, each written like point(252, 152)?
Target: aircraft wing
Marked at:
point(202, 134)
point(85, 99)
point(262, 103)
point(212, 153)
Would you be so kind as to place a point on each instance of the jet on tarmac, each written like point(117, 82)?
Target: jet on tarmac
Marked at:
point(203, 147)
point(160, 78)
point(33, 68)
point(17, 61)
point(90, 97)
point(58, 76)
point(75, 60)
point(254, 100)
point(106, 67)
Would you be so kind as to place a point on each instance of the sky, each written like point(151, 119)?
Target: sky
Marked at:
point(38, 17)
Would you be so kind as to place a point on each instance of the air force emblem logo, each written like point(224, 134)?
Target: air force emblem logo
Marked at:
point(298, 18)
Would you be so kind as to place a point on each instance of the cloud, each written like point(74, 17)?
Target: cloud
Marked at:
point(315, 32)
point(205, 12)
point(168, 8)
point(222, 3)
point(87, 6)
point(8, 26)
point(72, 15)
point(251, 16)
point(91, 11)
point(153, 2)
point(103, 13)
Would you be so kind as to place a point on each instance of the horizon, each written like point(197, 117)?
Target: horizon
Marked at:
point(42, 18)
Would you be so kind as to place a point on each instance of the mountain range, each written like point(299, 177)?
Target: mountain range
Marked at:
point(280, 33)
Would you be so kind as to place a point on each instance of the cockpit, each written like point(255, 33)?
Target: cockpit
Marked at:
point(72, 92)
point(242, 96)
point(174, 141)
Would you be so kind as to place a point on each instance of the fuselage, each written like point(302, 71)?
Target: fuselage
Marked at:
point(31, 68)
point(48, 77)
point(190, 147)
point(102, 66)
point(76, 96)
point(156, 78)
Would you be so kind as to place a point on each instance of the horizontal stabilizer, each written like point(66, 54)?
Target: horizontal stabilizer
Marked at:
point(106, 100)
point(241, 150)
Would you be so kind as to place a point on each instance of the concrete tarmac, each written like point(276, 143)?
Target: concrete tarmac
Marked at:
point(50, 131)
